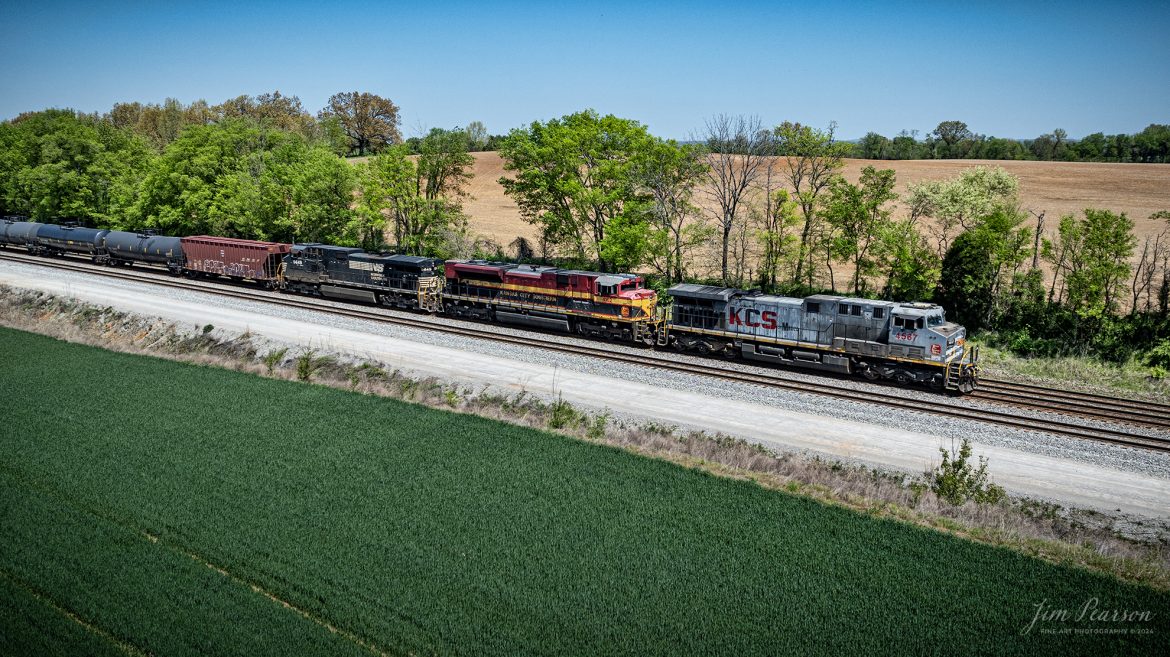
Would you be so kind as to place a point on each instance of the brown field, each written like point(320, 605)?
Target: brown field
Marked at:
point(1055, 188)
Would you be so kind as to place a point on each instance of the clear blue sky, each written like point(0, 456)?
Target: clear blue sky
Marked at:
point(1013, 69)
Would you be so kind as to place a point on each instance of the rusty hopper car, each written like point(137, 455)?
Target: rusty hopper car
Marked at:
point(234, 258)
point(903, 342)
point(614, 306)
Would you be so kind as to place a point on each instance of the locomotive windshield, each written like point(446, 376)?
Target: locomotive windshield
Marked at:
point(935, 320)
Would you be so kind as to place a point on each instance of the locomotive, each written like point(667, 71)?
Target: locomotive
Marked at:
point(589, 303)
point(340, 272)
point(901, 342)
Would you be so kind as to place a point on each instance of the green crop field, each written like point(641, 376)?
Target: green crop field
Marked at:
point(149, 507)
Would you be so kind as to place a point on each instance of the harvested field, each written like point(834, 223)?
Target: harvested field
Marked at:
point(1057, 188)
point(191, 510)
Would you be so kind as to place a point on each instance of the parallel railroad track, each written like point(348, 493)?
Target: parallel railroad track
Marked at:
point(1110, 409)
point(1068, 402)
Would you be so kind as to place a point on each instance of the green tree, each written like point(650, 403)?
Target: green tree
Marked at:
point(57, 164)
point(444, 165)
point(668, 173)
point(1152, 144)
point(874, 147)
point(777, 221)
point(237, 178)
point(811, 161)
point(979, 263)
point(271, 110)
point(1091, 255)
point(573, 176)
point(859, 213)
point(477, 136)
point(912, 267)
point(423, 195)
point(370, 121)
point(905, 146)
point(963, 200)
point(955, 139)
point(957, 480)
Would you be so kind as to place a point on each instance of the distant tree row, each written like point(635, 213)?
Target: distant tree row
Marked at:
point(954, 140)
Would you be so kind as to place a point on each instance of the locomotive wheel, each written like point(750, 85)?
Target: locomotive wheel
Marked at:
point(703, 348)
point(903, 377)
point(870, 373)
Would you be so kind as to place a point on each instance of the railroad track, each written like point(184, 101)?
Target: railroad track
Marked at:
point(1068, 402)
point(1009, 393)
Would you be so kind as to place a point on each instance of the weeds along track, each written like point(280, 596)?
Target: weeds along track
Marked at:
point(1058, 405)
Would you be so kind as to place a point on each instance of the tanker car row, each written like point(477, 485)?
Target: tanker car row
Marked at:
point(901, 342)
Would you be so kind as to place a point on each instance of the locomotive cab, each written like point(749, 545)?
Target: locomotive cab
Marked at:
point(635, 299)
point(922, 331)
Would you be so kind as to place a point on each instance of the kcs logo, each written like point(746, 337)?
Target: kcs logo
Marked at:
point(767, 318)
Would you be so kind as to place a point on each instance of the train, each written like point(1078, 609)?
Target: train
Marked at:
point(903, 343)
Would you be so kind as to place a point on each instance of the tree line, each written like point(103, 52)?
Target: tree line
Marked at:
point(954, 140)
point(744, 204)
point(253, 167)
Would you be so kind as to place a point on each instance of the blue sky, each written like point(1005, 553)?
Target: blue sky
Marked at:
point(1013, 69)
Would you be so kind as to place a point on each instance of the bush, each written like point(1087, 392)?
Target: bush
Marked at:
point(1158, 358)
point(309, 363)
point(956, 480)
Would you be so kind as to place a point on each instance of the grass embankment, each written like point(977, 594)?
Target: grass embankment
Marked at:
point(173, 509)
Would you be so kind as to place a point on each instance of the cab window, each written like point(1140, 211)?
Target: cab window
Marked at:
point(908, 323)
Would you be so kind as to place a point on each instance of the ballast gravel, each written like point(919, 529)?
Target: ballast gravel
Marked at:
point(935, 428)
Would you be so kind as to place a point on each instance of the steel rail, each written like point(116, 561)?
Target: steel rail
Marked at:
point(647, 359)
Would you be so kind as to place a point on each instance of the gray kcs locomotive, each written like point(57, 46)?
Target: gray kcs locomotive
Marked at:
point(903, 342)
